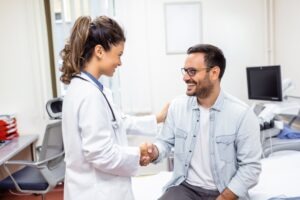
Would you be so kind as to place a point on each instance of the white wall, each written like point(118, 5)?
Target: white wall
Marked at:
point(149, 77)
point(24, 64)
point(287, 40)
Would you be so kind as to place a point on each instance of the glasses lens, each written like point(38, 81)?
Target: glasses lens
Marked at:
point(189, 71)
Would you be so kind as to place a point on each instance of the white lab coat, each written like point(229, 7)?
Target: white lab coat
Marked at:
point(99, 163)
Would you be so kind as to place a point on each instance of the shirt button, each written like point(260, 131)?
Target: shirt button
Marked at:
point(197, 120)
point(190, 151)
point(194, 135)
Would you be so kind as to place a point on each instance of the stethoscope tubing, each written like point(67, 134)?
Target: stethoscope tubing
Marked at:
point(114, 120)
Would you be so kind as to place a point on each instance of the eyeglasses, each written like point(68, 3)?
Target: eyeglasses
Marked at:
point(191, 71)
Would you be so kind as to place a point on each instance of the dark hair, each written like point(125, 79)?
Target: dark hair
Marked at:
point(85, 35)
point(213, 56)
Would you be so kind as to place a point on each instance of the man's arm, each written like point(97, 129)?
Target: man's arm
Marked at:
point(249, 152)
point(163, 143)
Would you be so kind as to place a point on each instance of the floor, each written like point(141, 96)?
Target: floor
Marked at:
point(56, 194)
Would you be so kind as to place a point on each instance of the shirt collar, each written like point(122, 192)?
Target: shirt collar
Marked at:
point(93, 79)
point(194, 103)
point(216, 106)
point(219, 102)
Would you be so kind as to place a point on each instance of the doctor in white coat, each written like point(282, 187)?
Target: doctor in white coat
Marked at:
point(99, 163)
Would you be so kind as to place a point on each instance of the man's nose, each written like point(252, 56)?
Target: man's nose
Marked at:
point(186, 77)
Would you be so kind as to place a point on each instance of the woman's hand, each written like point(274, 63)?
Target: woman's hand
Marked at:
point(149, 153)
point(161, 116)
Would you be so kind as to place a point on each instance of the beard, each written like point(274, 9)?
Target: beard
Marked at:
point(203, 88)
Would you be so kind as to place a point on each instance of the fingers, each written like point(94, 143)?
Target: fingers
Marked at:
point(144, 157)
point(147, 153)
point(149, 148)
point(144, 149)
point(145, 160)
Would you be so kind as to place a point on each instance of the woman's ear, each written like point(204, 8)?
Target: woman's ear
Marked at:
point(99, 51)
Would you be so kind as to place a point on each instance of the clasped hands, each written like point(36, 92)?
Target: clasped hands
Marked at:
point(149, 153)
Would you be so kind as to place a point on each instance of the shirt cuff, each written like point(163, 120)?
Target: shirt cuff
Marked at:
point(237, 188)
point(134, 153)
point(160, 155)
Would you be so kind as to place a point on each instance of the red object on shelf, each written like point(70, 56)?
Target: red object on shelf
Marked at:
point(9, 136)
point(8, 127)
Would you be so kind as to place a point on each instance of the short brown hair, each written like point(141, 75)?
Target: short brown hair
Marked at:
point(213, 56)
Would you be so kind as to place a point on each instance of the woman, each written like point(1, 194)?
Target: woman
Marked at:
point(98, 161)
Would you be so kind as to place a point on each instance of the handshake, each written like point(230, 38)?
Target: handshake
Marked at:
point(149, 153)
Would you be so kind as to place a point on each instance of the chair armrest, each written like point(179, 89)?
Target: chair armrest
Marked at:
point(39, 164)
point(21, 162)
point(50, 159)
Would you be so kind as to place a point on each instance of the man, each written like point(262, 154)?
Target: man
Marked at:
point(215, 136)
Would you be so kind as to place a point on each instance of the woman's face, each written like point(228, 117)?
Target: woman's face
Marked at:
point(111, 59)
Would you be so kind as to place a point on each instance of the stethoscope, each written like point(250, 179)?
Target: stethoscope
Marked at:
point(100, 87)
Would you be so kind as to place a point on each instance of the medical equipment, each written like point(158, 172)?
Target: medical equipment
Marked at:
point(267, 113)
point(264, 83)
point(271, 143)
point(54, 107)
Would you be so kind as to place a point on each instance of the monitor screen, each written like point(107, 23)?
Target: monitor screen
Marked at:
point(264, 83)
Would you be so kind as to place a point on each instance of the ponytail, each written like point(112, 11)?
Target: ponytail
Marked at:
point(85, 35)
point(72, 52)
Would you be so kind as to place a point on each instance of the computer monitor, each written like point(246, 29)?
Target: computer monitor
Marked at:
point(264, 83)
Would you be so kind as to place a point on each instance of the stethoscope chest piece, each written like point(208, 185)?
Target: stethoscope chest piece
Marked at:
point(115, 124)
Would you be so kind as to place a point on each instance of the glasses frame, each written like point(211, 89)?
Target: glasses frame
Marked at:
point(192, 71)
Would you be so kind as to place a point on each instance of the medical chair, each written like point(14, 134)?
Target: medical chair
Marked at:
point(41, 176)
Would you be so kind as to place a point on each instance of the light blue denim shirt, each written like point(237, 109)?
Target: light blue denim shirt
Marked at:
point(234, 143)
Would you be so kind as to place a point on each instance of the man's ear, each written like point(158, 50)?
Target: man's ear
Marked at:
point(215, 72)
point(99, 51)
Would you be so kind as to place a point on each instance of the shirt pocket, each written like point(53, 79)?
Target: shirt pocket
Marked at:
point(180, 138)
point(226, 148)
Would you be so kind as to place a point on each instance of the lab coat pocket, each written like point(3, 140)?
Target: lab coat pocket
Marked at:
point(226, 148)
point(180, 138)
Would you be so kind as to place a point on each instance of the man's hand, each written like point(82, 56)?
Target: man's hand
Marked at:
point(149, 152)
point(227, 194)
